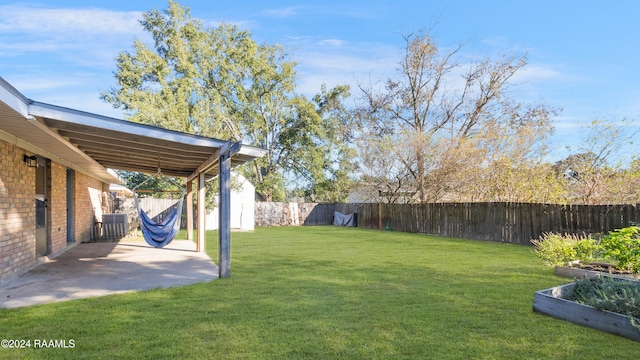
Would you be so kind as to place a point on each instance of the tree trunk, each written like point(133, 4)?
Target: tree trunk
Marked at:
point(420, 177)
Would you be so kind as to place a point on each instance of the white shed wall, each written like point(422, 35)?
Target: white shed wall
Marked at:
point(242, 207)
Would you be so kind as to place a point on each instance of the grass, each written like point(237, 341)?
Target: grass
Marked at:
point(329, 293)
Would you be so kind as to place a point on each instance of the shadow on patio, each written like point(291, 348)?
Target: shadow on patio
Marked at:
point(99, 269)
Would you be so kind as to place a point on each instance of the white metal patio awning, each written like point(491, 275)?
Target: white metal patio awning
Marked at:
point(93, 143)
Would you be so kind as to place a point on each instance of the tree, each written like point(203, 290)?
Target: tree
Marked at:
point(595, 174)
point(220, 83)
point(132, 179)
point(506, 161)
point(307, 142)
point(384, 178)
point(438, 126)
point(334, 183)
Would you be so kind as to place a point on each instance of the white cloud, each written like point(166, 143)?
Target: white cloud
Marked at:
point(332, 42)
point(569, 122)
point(35, 83)
point(282, 12)
point(77, 90)
point(87, 37)
point(340, 9)
point(12, 48)
point(535, 72)
point(59, 21)
point(346, 64)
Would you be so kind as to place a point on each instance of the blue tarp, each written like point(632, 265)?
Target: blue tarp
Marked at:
point(345, 219)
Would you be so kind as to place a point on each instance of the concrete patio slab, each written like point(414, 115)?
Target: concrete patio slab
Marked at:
point(99, 269)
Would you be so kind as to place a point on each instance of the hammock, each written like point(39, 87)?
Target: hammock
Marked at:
point(160, 233)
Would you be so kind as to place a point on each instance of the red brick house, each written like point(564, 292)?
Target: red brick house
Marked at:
point(54, 176)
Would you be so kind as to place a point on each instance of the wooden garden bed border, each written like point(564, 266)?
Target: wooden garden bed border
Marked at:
point(553, 302)
point(577, 273)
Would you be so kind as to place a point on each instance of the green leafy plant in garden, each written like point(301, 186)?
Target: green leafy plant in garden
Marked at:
point(556, 249)
point(623, 247)
point(612, 294)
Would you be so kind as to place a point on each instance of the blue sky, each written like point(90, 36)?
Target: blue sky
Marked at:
point(583, 55)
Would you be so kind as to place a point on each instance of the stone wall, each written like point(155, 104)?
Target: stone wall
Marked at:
point(295, 214)
point(277, 214)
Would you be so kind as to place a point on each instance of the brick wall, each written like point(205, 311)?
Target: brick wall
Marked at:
point(57, 207)
point(17, 212)
point(88, 205)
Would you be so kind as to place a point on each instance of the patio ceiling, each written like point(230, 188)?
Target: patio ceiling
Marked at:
point(93, 143)
point(124, 145)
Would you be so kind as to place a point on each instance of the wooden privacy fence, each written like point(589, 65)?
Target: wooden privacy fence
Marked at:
point(125, 223)
point(515, 223)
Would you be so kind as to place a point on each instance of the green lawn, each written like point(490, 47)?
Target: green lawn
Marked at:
point(329, 293)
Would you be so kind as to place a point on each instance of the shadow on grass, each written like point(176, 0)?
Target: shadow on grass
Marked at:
point(322, 293)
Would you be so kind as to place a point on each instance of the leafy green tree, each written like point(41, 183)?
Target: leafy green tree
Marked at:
point(133, 179)
point(308, 141)
point(220, 83)
point(333, 183)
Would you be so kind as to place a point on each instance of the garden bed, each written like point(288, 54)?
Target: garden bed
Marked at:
point(553, 302)
point(578, 270)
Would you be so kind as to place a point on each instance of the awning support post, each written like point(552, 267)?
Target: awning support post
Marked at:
point(224, 215)
point(190, 210)
point(202, 214)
